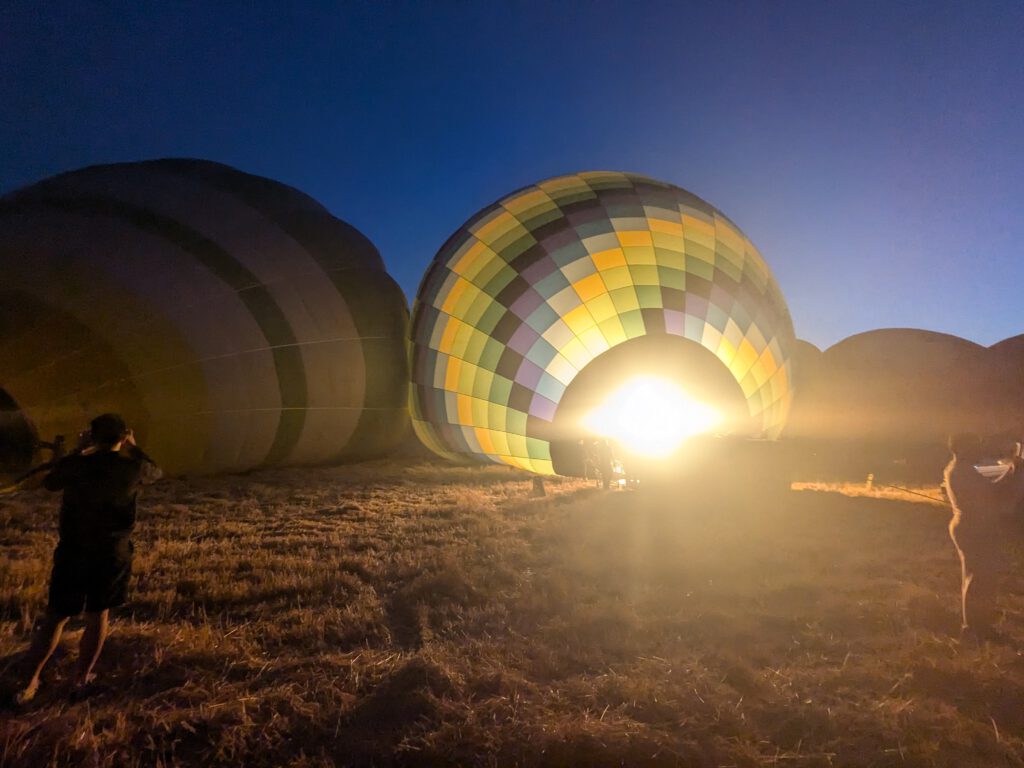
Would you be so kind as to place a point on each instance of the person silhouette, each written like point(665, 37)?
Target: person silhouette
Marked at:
point(605, 461)
point(92, 562)
point(982, 512)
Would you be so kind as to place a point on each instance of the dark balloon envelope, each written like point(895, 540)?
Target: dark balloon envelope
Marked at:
point(534, 288)
point(908, 386)
point(232, 319)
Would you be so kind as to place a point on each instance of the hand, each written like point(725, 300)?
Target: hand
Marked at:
point(129, 438)
point(84, 440)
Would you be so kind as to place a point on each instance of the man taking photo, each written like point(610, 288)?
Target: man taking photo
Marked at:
point(93, 559)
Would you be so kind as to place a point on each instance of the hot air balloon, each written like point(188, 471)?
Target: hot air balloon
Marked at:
point(896, 384)
point(232, 320)
point(554, 293)
point(888, 399)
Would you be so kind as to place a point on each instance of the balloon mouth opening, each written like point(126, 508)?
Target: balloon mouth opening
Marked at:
point(17, 437)
point(646, 399)
point(651, 417)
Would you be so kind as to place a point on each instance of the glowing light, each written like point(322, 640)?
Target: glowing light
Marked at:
point(651, 417)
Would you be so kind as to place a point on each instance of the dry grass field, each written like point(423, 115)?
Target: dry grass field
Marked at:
point(409, 613)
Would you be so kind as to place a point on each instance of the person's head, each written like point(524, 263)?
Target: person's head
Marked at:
point(108, 430)
point(966, 446)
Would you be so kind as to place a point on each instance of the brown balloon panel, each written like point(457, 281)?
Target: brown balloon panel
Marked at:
point(232, 320)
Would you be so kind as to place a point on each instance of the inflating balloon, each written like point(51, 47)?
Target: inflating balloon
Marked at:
point(231, 319)
point(533, 289)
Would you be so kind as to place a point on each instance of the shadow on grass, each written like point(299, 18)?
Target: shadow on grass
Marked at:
point(407, 702)
point(438, 592)
point(979, 696)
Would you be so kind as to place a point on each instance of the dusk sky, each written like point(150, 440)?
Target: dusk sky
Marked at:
point(874, 152)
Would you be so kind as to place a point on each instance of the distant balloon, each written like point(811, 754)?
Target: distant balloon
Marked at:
point(232, 320)
point(909, 386)
point(534, 288)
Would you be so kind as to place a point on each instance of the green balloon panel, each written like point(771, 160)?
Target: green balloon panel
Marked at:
point(533, 288)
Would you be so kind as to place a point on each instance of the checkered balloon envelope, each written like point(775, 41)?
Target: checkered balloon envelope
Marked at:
point(534, 288)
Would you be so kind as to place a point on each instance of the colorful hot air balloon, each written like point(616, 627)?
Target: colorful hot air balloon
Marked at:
point(537, 287)
point(232, 320)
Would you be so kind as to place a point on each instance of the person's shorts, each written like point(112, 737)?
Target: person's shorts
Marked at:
point(90, 579)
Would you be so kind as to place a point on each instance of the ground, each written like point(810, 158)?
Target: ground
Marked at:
point(410, 613)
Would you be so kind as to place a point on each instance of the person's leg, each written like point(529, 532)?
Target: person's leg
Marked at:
point(981, 590)
point(962, 543)
point(108, 576)
point(89, 648)
point(65, 598)
point(44, 643)
point(965, 583)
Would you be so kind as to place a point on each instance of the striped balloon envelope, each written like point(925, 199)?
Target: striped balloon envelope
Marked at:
point(231, 319)
point(537, 287)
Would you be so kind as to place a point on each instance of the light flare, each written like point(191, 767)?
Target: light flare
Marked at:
point(651, 416)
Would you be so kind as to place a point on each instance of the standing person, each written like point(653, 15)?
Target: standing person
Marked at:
point(93, 559)
point(605, 461)
point(982, 513)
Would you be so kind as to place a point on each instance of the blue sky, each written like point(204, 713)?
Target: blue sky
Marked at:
point(874, 152)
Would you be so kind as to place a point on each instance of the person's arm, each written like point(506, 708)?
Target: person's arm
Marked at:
point(1010, 486)
point(149, 472)
point(59, 477)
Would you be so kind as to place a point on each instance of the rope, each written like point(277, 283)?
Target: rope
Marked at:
point(916, 493)
point(12, 488)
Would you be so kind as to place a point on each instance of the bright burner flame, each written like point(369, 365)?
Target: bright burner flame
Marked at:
point(651, 416)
